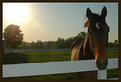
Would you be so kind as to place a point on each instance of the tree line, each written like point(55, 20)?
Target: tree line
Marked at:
point(13, 38)
point(59, 43)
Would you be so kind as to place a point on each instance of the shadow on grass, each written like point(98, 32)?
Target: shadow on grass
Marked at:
point(14, 58)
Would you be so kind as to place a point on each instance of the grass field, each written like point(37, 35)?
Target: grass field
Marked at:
point(50, 56)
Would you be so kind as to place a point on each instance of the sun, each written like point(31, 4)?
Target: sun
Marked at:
point(15, 12)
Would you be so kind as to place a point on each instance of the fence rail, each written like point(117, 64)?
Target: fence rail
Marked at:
point(31, 69)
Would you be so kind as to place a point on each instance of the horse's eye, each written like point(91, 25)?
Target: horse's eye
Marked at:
point(98, 25)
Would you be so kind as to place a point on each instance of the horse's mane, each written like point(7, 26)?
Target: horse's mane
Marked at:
point(76, 42)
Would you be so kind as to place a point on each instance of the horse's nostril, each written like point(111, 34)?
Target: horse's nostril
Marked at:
point(101, 65)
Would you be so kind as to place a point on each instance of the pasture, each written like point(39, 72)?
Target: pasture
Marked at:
point(50, 56)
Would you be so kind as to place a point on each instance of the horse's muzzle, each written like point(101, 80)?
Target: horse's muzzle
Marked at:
point(100, 65)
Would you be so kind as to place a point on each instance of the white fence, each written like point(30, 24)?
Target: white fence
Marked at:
point(31, 69)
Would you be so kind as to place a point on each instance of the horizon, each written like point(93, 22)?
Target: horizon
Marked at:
point(49, 21)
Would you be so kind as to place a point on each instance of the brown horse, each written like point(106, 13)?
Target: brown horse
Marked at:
point(94, 46)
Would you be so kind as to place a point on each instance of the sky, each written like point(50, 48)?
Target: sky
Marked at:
point(48, 21)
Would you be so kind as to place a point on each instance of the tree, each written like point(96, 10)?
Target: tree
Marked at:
point(116, 42)
point(60, 43)
point(13, 36)
point(69, 41)
point(39, 44)
point(83, 35)
point(23, 45)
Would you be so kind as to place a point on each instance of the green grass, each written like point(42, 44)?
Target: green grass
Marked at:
point(112, 53)
point(112, 73)
point(36, 57)
point(50, 56)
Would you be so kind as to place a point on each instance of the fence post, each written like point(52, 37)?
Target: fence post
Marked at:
point(102, 74)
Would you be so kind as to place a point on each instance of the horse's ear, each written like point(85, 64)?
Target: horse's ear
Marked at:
point(88, 13)
point(104, 12)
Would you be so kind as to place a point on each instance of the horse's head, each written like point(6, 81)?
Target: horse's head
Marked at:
point(98, 36)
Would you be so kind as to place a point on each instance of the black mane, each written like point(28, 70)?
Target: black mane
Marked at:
point(83, 48)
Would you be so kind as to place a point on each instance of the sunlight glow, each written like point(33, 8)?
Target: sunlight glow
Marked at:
point(15, 12)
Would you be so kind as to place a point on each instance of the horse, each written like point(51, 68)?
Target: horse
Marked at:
point(94, 46)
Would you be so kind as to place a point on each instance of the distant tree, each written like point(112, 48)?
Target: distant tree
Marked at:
point(69, 41)
point(116, 42)
point(39, 44)
point(23, 45)
point(81, 35)
point(112, 44)
point(60, 43)
point(49, 44)
point(53, 45)
point(13, 36)
point(33, 45)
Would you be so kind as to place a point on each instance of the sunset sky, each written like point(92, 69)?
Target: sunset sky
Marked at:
point(48, 21)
